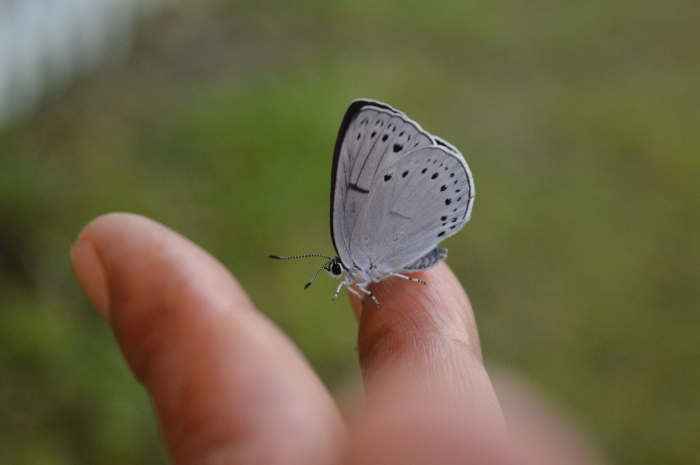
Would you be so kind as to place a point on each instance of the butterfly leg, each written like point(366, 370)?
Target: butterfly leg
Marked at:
point(361, 287)
point(355, 292)
point(337, 291)
point(409, 278)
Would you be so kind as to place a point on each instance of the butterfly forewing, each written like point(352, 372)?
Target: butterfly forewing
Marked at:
point(371, 138)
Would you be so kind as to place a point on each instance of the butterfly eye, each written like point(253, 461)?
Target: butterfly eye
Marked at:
point(336, 269)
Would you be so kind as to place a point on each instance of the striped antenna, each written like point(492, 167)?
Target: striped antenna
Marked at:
point(324, 267)
point(276, 257)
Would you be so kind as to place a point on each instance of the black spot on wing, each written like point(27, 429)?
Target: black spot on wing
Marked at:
point(357, 188)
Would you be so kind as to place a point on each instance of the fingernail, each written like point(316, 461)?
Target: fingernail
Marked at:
point(91, 275)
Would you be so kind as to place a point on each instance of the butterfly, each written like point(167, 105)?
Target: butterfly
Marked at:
point(396, 193)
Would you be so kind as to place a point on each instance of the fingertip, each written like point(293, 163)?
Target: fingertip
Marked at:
point(88, 262)
point(91, 276)
point(425, 334)
point(412, 312)
point(108, 223)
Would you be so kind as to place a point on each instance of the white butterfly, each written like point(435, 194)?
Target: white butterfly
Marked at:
point(396, 192)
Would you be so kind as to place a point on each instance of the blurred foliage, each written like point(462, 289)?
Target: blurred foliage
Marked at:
point(580, 123)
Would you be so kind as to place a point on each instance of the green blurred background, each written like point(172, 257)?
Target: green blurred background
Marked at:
point(580, 121)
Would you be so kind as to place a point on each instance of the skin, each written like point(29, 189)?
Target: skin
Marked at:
point(229, 387)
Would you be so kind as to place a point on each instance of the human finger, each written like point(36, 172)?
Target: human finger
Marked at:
point(429, 330)
point(428, 396)
point(227, 385)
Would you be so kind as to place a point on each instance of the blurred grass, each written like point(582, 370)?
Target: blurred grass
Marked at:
point(579, 120)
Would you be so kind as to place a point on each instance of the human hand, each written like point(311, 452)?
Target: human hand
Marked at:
point(230, 388)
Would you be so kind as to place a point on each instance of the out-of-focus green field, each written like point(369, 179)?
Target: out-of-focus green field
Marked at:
point(580, 121)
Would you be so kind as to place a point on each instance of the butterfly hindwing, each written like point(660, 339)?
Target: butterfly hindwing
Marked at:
point(422, 198)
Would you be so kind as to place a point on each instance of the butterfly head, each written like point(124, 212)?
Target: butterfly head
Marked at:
point(335, 268)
